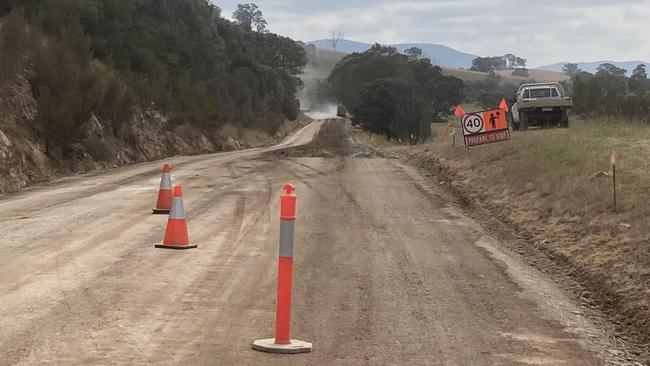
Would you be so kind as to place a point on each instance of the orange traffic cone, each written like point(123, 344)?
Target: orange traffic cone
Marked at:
point(176, 235)
point(164, 203)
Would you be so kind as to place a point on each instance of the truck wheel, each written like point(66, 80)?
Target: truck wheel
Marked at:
point(511, 120)
point(564, 122)
point(523, 121)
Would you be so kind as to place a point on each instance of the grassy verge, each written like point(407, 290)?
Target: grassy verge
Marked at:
point(544, 185)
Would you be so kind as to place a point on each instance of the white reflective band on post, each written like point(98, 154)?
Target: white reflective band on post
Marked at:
point(177, 211)
point(166, 181)
point(286, 238)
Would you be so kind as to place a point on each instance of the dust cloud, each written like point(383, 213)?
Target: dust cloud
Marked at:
point(323, 112)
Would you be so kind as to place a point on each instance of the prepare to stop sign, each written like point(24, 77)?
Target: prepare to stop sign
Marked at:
point(485, 127)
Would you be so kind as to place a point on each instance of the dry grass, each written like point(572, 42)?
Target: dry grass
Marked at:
point(562, 163)
point(538, 75)
point(328, 59)
point(542, 183)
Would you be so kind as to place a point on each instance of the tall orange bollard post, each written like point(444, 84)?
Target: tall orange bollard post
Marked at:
point(282, 343)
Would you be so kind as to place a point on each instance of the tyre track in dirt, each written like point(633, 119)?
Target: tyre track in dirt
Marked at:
point(387, 272)
point(216, 285)
point(108, 271)
point(129, 262)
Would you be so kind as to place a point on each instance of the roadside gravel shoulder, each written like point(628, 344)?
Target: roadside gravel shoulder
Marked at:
point(542, 242)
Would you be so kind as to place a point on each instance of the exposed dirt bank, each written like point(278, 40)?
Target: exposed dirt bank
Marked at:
point(149, 136)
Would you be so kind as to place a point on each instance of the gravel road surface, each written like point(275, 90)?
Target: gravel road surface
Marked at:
point(387, 272)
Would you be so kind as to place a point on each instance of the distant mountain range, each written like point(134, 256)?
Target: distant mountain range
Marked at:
point(593, 66)
point(438, 54)
point(454, 59)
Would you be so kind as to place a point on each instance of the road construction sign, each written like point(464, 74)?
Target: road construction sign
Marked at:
point(485, 127)
point(459, 111)
point(487, 138)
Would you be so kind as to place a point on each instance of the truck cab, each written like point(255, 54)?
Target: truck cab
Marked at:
point(540, 104)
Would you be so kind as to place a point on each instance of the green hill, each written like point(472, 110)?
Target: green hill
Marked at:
point(327, 60)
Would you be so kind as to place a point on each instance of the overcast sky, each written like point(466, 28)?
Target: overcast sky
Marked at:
point(542, 31)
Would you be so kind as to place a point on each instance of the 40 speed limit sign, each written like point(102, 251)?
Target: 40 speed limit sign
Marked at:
point(473, 124)
point(485, 127)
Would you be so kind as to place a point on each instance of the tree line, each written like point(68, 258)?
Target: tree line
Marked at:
point(610, 92)
point(394, 94)
point(111, 57)
point(492, 63)
point(489, 91)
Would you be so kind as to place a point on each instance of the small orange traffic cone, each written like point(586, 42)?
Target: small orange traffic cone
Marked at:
point(164, 203)
point(176, 234)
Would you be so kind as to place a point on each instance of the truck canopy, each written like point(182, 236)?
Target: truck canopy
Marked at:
point(541, 90)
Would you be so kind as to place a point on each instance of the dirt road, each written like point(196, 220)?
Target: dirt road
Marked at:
point(387, 272)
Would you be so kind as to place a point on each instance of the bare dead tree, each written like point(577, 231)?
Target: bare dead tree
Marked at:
point(336, 36)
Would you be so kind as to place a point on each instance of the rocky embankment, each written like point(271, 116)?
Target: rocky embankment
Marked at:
point(149, 136)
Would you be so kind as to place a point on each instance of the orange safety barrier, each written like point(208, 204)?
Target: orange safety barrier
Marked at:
point(176, 234)
point(282, 343)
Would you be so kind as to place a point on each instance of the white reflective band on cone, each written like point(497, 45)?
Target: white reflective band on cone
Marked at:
point(286, 238)
point(177, 211)
point(166, 181)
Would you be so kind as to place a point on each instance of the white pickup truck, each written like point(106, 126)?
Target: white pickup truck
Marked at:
point(540, 104)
